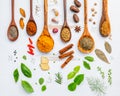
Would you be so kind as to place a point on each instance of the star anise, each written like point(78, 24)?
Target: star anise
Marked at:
point(77, 28)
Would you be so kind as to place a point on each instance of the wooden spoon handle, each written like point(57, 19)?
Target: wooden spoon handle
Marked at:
point(105, 7)
point(12, 4)
point(31, 15)
point(85, 14)
point(65, 12)
point(46, 13)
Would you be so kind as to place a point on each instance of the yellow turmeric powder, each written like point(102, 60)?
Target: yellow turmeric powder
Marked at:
point(45, 44)
point(105, 28)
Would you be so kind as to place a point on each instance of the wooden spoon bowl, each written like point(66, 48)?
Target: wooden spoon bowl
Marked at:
point(12, 32)
point(31, 27)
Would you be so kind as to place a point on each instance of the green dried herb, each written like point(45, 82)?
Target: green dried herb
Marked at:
point(72, 86)
point(27, 87)
point(108, 47)
point(86, 65)
point(16, 75)
point(79, 79)
point(89, 58)
point(58, 78)
point(97, 86)
point(41, 81)
point(43, 88)
point(101, 55)
point(26, 71)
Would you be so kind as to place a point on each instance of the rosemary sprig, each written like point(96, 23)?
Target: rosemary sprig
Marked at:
point(97, 86)
point(58, 78)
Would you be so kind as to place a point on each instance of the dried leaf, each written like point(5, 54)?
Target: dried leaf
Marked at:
point(22, 25)
point(22, 12)
point(108, 47)
point(101, 55)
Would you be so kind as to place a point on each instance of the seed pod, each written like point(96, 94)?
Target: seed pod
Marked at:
point(76, 18)
point(74, 9)
point(21, 22)
point(22, 12)
point(77, 3)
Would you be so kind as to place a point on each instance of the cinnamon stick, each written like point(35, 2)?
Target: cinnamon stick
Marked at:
point(67, 61)
point(65, 48)
point(66, 54)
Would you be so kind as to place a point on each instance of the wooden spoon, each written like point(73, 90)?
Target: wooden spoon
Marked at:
point(104, 27)
point(67, 37)
point(30, 30)
point(12, 32)
point(86, 34)
point(45, 33)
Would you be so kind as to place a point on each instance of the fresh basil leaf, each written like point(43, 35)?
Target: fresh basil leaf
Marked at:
point(43, 88)
point(41, 81)
point(76, 69)
point(86, 65)
point(26, 71)
point(16, 75)
point(27, 87)
point(71, 75)
point(78, 79)
point(89, 58)
point(72, 86)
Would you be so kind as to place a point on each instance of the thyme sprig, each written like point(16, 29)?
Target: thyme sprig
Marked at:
point(58, 78)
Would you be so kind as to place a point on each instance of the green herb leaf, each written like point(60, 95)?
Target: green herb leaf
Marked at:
point(27, 87)
point(43, 88)
point(76, 69)
point(86, 65)
point(71, 75)
point(41, 81)
point(89, 58)
point(16, 75)
point(26, 71)
point(78, 79)
point(72, 86)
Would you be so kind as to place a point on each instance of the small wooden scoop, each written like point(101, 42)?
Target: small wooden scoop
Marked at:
point(45, 33)
point(65, 27)
point(86, 34)
point(29, 29)
point(12, 32)
point(105, 28)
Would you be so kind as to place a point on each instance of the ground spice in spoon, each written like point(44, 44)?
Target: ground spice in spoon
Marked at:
point(13, 32)
point(86, 43)
point(65, 34)
point(31, 28)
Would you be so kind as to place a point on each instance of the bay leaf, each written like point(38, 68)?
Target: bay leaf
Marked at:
point(100, 54)
point(108, 47)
